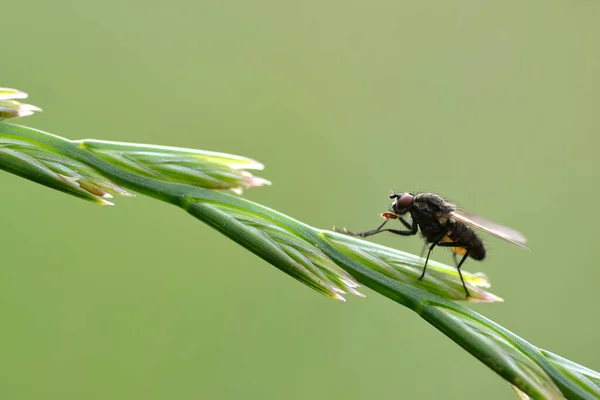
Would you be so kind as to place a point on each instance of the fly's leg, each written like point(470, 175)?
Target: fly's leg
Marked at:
point(467, 248)
point(406, 224)
point(460, 273)
point(436, 242)
point(423, 250)
point(413, 228)
point(367, 233)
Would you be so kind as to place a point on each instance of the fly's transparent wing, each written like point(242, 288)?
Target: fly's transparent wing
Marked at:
point(493, 228)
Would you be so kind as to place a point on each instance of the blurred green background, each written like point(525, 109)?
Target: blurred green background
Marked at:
point(494, 104)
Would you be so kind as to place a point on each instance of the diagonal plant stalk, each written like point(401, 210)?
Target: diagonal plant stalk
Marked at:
point(331, 263)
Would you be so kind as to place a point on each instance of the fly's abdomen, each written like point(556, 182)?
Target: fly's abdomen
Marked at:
point(477, 251)
point(461, 233)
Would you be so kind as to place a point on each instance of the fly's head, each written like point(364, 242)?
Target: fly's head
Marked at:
point(402, 202)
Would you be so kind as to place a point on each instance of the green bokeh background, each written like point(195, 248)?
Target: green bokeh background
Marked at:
point(494, 104)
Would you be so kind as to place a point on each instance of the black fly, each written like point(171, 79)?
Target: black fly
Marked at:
point(443, 225)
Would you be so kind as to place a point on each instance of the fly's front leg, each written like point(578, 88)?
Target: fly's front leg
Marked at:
point(413, 229)
point(404, 222)
point(367, 233)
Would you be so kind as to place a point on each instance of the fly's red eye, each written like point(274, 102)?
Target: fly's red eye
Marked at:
point(405, 200)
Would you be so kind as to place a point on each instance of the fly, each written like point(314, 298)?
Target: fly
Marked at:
point(442, 224)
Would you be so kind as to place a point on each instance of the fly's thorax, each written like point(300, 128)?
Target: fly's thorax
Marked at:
point(428, 223)
point(432, 213)
point(434, 204)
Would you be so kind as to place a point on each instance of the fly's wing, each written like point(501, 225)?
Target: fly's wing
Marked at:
point(494, 229)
